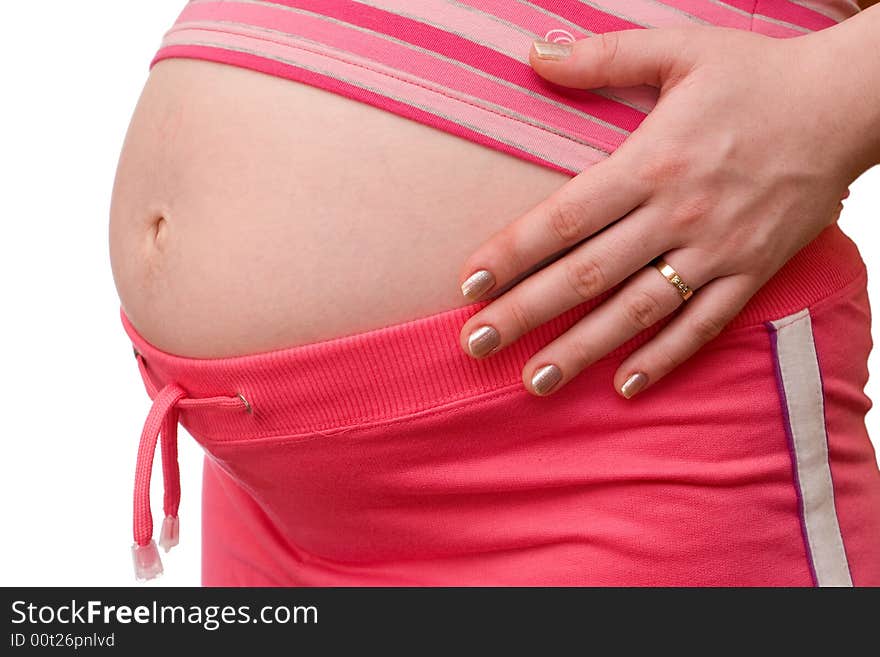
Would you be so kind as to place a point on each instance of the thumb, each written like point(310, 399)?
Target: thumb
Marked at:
point(625, 58)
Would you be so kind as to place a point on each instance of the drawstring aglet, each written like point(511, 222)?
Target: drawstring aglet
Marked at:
point(170, 534)
point(147, 563)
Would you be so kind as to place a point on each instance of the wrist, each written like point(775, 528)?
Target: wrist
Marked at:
point(845, 91)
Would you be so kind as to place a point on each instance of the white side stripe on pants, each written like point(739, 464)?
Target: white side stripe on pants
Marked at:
point(800, 389)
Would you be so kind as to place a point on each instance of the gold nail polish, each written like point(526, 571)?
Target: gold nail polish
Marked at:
point(483, 341)
point(545, 378)
point(633, 384)
point(552, 50)
point(477, 283)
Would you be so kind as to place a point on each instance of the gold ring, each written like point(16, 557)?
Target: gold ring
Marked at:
point(672, 276)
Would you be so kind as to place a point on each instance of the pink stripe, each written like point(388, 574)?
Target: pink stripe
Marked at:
point(747, 6)
point(785, 11)
point(464, 50)
point(715, 14)
point(774, 29)
point(585, 15)
point(836, 10)
point(524, 16)
point(453, 18)
point(401, 58)
point(564, 151)
point(644, 12)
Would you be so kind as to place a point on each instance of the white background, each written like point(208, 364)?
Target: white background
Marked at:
point(72, 400)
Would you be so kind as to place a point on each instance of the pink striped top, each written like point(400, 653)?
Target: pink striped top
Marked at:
point(462, 65)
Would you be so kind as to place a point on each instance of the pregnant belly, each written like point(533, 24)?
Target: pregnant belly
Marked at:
point(252, 213)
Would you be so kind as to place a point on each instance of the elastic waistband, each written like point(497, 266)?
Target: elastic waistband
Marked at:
point(404, 368)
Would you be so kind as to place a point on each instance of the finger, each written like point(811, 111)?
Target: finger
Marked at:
point(646, 298)
point(598, 196)
point(585, 272)
point(702, 320)
point(623, 58)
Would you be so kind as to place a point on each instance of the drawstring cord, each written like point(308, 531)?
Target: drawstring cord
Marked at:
point(163, 419)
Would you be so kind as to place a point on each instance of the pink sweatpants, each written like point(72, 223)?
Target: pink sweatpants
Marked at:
point(390, 457)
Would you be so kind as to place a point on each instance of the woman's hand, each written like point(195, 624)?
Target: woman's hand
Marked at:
point(743, 161)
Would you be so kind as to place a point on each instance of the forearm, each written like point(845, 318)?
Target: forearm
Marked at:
point(848, 87)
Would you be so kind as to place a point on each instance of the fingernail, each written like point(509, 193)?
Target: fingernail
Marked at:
point(633, 384)
point(483, 341)
point(545, 378)
point(551, 50)
point(477, 283)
